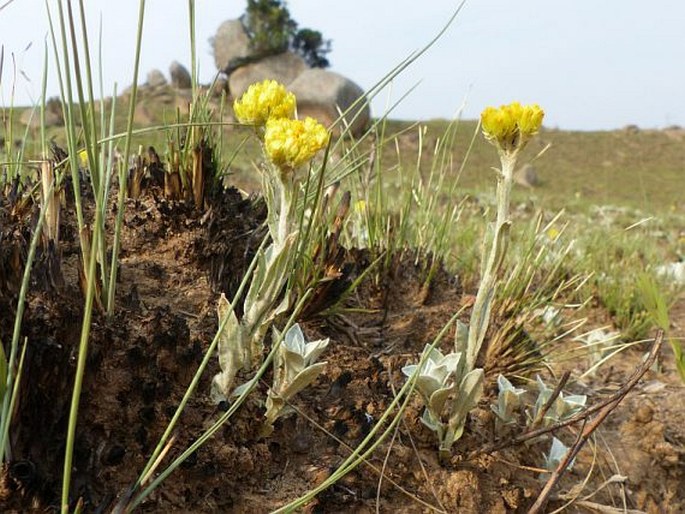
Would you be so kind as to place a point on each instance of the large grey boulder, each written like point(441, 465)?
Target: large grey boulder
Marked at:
point(283, 68)
point(180, 77)
point(231, 44)
point(155, 78)
point(322, 94)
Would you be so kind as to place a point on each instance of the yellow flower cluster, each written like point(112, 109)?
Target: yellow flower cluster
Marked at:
point(263, 101)
point(553, 233)
point(291, 143)
point(83, 158)
point(510, 126)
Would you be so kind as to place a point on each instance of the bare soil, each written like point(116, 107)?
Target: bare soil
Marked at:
point(175, 263)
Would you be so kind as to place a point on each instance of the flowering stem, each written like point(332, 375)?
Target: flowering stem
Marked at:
point(480, 316)
point(504, 183)
point(284, 213)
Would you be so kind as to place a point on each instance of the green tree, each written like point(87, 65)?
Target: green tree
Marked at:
point(313, 48)
point(269, 26)
point(272, 31)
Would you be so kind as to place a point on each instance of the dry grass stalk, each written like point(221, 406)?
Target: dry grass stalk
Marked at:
point(51, 199)
point(198, 178)
point(136, 178)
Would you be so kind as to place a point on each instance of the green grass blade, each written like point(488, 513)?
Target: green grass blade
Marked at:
point(123, 174)
point(16, 333)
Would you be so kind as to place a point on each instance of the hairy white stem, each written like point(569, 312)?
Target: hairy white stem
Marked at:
point(480, 316)
point(283, 218)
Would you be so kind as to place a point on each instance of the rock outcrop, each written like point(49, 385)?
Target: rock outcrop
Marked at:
point(320, 94)
point(155, 78)
point(284, 68)
point(231, 44)
point(324, 94)
point(180, 77)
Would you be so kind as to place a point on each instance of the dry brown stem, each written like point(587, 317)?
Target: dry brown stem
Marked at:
point(555, 394)
point(612, 401)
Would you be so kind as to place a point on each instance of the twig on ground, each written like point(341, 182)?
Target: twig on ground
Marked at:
point(552, 399)
point(590, 426)
point(610, 402)
point(605, 509)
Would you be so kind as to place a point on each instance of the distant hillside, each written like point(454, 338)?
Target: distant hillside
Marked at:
point(642, 169)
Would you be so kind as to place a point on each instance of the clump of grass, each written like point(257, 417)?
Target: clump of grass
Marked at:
point(75, 62)
point(617, 262)
point(534, 299)
point(655, 303)
point(11, 366)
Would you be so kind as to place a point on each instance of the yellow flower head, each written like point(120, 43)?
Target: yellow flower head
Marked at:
point(262, 101)
point(291, 143)
point(83, 157)
point(510, 126)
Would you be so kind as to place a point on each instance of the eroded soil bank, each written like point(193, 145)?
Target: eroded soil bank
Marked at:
point(174, 264)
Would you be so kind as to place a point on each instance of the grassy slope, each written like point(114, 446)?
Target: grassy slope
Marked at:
point(644, 170)
point(638, 169)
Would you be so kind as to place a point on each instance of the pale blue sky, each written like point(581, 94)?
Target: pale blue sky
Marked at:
point(591, 64)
